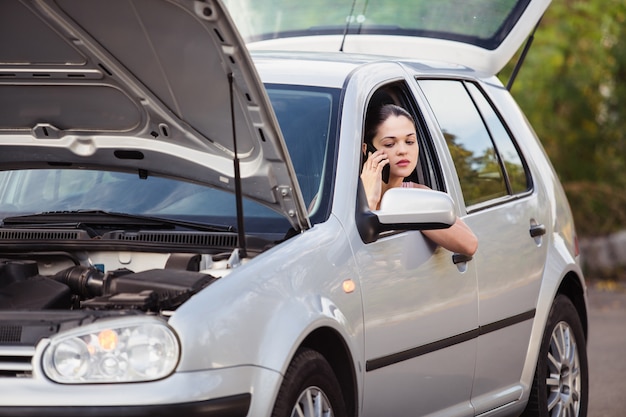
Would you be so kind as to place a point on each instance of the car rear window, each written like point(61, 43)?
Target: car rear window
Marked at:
point(480, 22)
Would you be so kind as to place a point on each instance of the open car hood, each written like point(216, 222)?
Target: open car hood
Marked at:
point(482, 34)
point(143, 86)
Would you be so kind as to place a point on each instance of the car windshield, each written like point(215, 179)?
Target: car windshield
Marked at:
point(307, 117)
point(479, 22)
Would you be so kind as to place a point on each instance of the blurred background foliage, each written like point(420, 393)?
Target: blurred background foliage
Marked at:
point(572, 87)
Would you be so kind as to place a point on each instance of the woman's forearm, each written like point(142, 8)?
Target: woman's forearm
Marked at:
point(458, 238)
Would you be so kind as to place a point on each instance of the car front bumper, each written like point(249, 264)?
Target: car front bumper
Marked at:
point(220, 392)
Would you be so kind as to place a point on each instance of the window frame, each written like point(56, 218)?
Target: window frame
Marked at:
point(429, 170)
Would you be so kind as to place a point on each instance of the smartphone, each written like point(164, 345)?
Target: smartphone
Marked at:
point(385, 174)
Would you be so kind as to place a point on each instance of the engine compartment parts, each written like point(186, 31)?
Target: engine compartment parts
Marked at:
point(86, 287)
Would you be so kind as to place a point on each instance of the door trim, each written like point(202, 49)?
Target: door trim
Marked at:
point(384, 361)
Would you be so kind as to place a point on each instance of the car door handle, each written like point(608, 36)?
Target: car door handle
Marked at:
point(458, 258)
point(537, 230)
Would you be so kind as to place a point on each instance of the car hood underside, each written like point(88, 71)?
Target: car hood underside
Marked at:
point(157, 87)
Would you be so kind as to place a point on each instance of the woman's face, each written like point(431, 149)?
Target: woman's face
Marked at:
point(396, 137)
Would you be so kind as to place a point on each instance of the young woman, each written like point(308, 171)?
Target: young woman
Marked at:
point(391, 131)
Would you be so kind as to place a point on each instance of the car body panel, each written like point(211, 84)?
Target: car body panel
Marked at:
point(179, 388)
point(403, 300)
point(408, 284)
point(510, 264)
point(260, 286)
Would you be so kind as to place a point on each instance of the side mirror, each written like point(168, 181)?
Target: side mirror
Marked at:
point(415, 209)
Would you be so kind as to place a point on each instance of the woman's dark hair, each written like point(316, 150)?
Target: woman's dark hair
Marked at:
point(377, 116)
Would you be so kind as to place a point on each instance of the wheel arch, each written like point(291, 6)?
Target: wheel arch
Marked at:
point(572, 287)
point(331, 345)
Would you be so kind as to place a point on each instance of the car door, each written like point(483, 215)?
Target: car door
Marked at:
point(506, 214)
point(420, 319)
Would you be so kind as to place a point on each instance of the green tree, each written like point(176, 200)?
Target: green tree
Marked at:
point(572, 89)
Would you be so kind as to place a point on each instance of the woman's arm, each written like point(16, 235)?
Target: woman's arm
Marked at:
point(458, 238)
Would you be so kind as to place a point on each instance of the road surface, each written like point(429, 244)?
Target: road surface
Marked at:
point(607, 350)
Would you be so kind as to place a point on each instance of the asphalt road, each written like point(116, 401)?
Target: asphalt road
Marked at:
point(607, 350)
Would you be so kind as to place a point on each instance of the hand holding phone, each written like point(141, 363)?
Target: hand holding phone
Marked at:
point(386, 168)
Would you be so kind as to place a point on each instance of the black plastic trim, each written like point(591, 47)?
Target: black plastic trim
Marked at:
point(499, 325)
point(537, 230)
point(459, 258)
point(377, 363)
point(233, 406)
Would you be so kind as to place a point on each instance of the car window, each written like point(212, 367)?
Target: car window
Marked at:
point(307, 119)
point(478, 142)
point(428, 170)
point(480, 22)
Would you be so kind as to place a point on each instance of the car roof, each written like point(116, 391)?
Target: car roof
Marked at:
point(332, 69)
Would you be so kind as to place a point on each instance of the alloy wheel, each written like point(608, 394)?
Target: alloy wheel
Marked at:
point(312, 403)
point(564, 378)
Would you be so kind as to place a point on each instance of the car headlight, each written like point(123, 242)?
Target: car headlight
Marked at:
point(126, 350)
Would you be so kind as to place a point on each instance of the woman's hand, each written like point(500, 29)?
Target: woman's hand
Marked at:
point(371, 176)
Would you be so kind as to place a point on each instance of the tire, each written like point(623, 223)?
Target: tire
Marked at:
point(560, 386)
point(310, 388)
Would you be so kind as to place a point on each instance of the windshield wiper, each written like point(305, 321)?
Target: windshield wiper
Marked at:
point(94, 218)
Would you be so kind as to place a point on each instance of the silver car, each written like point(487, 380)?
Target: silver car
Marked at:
point(185, 230)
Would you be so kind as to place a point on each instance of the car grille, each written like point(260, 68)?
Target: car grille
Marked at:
point(16, 361)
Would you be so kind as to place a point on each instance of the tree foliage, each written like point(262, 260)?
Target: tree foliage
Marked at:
point(572, 89)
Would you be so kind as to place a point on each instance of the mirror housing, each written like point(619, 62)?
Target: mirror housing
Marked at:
point(415, 209)
point(404, 209)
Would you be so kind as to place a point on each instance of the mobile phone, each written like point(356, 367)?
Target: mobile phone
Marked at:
point(385, 174)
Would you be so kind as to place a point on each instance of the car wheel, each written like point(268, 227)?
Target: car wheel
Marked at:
point(309, 389)
point(560, 387)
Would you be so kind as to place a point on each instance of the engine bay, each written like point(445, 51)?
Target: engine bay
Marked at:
point(88, 287)
point(107, 280)
point(57, 279)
